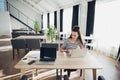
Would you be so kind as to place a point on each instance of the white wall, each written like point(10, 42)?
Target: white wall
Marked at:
point(5, 23)
point(23, 8)
point(26, 10)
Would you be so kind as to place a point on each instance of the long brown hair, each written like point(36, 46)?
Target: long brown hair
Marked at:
point(76, 29)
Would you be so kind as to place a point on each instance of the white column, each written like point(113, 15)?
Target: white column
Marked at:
point(58, 26)
point(82, 20)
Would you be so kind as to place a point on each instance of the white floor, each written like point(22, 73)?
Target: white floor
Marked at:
point(5, 48)
point(6, 39)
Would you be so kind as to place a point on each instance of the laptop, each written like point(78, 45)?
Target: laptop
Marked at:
point(47, 54)
point(77, 53)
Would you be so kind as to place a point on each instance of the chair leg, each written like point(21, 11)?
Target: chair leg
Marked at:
point(25, 51)
point(68, 73)
point(36, 71)
point(66, 77)
point(13, 54)
point(24, 77)
point(80, 72)
point(18, 51)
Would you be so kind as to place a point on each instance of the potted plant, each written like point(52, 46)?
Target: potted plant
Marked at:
point(37, 26)
point(51, 33)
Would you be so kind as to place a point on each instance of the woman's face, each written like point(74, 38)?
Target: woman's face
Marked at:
point(74, 35)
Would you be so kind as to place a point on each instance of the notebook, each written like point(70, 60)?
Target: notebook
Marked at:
point(47, 54)
point(76, 53)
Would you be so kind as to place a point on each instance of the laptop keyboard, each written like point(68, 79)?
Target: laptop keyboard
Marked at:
point(47, 59)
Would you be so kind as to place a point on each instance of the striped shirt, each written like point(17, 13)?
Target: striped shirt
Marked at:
point(68, 45)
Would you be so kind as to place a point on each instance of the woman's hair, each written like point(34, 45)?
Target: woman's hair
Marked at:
point(76, 29)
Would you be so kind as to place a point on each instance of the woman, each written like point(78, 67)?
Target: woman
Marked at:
point(73, 42)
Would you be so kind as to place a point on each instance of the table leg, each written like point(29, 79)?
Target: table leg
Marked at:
point(61, 73)
point(94, 74)
point(33, 75)
point(22, 71)
point(56, 74)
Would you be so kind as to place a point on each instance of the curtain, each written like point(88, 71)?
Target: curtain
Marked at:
point(75, 15)
point(48, 19)
point(106, 28)
point(42, 21)
point(61, 20)
point(90, 18)
point(55, 19)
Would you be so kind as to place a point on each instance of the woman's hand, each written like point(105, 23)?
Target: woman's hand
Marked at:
point(68, 51)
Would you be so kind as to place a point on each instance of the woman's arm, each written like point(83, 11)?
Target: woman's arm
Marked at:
point(61, 49)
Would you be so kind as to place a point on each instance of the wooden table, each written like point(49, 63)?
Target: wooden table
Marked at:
point(31, 37)
point(62, 62)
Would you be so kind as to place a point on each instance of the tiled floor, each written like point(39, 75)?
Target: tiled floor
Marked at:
point(110, 71)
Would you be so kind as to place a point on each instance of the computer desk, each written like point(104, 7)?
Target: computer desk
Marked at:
point(61, 62)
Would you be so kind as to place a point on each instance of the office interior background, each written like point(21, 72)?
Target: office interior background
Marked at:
point(105, 26)
point(99, 18)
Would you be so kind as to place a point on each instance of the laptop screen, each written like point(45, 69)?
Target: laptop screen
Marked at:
point(47, 53)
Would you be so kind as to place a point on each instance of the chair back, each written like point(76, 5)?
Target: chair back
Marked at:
point(33, 43)
point(50, 45)
point(101, 77)
point(18, 43)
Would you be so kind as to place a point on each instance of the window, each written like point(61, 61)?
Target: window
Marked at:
point(106, 27)
point(52, 19)
point(67, 20)
point(45, 21)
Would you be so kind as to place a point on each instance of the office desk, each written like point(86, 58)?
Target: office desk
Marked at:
point(62, 62)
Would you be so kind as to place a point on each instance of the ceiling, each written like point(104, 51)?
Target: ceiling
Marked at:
point(45, 6)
